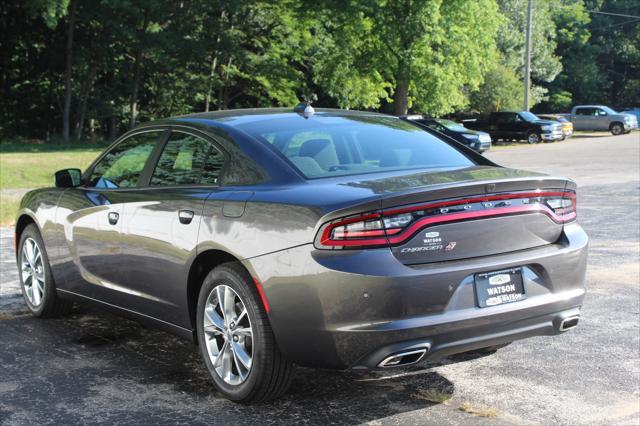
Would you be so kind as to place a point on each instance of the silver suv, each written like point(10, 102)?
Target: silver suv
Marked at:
point(600, 117)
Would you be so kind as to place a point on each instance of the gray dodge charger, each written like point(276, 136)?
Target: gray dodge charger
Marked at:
point(323, 238)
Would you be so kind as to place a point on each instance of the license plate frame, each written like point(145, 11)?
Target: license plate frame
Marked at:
point(501, 287)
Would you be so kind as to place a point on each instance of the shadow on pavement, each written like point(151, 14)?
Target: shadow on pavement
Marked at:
point(95, 364)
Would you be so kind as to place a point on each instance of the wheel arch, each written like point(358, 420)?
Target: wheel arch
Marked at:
point(24, 220)
point(200, 267)
point(613, 123)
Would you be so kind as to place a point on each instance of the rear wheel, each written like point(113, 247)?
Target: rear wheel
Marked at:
point(533, 137)
point(236, 341)
point(616, 129)
point(36, 279)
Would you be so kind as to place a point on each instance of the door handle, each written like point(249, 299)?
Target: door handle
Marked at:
point(113, 218)
point(185, 216)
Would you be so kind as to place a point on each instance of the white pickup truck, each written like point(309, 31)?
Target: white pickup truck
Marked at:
point(600, 117)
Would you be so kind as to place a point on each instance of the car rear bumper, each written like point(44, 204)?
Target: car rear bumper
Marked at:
point(353, 309)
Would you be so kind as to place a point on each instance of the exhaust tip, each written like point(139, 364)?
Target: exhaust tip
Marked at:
point(569, 323)
point(401, 359)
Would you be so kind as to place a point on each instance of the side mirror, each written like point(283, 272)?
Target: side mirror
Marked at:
point(68, 178)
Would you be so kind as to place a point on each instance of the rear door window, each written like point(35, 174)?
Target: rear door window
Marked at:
point(585, 111)
point(186, 160)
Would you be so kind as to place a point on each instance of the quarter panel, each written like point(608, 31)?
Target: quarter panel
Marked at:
point(262, 228)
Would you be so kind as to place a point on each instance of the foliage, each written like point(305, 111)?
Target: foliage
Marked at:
point(137, 60)
point(502, 90)
point(423, 54)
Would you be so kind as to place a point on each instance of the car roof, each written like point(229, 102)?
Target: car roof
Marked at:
point(235, 117)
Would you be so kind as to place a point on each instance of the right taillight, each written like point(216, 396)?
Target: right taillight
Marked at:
point(564, 207)
point(396, 225)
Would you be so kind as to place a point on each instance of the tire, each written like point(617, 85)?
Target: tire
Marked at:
point(533, 138)
point(34, 269)
point(616, 129)
point(269, 373)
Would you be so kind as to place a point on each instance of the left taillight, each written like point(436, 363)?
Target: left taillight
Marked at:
point(354, 231)
point(362, 231)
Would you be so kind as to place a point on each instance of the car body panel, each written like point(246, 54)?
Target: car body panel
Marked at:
point(331, 311)
point(328, 308)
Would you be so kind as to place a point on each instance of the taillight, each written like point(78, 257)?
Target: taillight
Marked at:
point(396, 225)
point(367, 229)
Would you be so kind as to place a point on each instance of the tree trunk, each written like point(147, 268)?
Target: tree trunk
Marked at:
point(401, 94)
point(214, 63)
point(113, 130)
point(223, 96)
point(137, 66)
point(85, 91)
point(66, 108)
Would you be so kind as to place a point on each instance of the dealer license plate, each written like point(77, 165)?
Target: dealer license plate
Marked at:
point(499, 287)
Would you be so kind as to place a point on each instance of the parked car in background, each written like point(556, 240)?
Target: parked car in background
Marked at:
point(601, 117)
point(633, 111)
point(523, 125)
point(329, 239)
point(567, 126)
point(478, 141)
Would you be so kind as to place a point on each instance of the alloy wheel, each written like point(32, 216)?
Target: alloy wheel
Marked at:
point(533, 138)
point(616, 129)
point(228, 335)
point(32, 269)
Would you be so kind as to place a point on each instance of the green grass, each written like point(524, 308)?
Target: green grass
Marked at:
point(8, 208)
point(36, 169)
point(26, 166)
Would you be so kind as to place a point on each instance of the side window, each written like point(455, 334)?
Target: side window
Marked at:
point(584, 111)
point(599, 112)
point(506, 117)
point(187, 160)
point(123, 165)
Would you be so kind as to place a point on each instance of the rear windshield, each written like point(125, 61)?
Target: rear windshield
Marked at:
point(325, 145)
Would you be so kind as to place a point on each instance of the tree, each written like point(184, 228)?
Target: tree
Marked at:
point(501, 90)
point(68, 58)
point(422, 53)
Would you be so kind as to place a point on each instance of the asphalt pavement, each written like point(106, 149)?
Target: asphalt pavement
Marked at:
point(93, 367)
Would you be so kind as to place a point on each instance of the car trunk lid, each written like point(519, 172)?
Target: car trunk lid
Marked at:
point(432, 217)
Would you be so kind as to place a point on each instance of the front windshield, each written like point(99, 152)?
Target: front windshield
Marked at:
point(452, 125)
point(608, 110)
point(327, 145)
point(529, 116)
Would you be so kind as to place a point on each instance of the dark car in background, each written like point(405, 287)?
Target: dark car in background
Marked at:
point(333, 239)
point(478, 141)
point(517, 126)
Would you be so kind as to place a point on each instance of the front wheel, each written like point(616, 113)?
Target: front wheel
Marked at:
point(36, 279)
point(616, 129)
point(533, 137)
point(235, 337)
